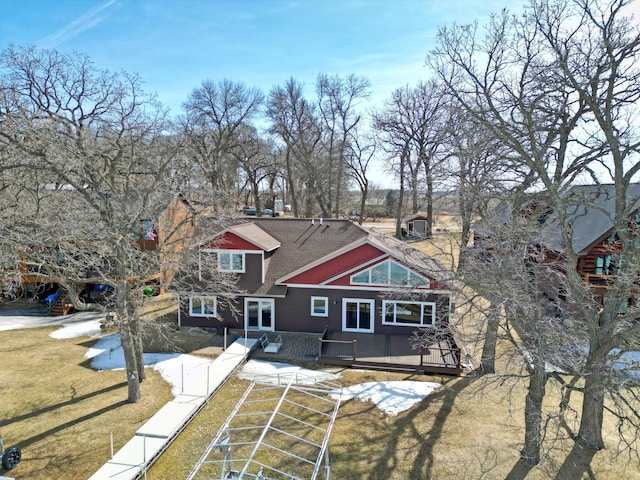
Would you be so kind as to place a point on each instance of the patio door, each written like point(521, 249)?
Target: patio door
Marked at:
point(357, 315)
point(258, 313)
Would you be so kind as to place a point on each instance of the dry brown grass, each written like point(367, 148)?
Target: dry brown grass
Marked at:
point(468, 429)
point(59, 411)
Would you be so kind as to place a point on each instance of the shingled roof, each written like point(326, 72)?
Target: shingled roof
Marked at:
point(303, 242)
point(591, 209)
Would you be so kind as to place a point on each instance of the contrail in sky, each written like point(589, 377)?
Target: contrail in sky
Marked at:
point(82, 23)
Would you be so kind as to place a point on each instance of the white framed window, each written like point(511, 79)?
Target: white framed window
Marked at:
point(231, 261)
point(399, 312)
point(389, 273)
point(202, 306)
point(319, 306)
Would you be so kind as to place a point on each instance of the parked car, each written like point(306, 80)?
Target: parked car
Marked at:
point(249, 210)
point(268, 212)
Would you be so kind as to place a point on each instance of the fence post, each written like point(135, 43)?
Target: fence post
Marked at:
point(353, 350)
point(319, 348)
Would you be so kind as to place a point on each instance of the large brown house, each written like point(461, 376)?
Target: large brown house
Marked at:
point(303, 275)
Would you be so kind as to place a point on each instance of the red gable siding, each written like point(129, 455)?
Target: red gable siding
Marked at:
point(230, 241)
point(346, 279)
point(337, 265)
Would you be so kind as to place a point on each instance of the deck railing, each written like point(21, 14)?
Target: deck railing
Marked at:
point(346, 349)
point(445, 354)
point(437, 355)
point(598, 280)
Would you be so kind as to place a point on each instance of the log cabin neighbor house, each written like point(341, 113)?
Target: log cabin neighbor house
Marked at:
point(594, 240)
point(321, 276)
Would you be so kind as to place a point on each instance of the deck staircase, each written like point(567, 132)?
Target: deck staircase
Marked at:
point(64, 305)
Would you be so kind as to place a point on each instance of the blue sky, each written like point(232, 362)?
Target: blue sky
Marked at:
point(176, 44)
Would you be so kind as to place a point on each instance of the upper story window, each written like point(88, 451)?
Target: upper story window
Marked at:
point(231, 261)
point(605, 265)
point(390, 273)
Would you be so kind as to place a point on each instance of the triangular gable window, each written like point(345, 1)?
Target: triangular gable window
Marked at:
point(390, 273)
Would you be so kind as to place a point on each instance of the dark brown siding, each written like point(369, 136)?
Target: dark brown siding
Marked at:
point(293, 313)
point(252, 277)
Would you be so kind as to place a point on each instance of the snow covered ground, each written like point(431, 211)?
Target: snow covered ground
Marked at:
point(181, 369)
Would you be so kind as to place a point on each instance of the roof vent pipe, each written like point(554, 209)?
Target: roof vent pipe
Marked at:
point(320, 221)
point(313, 222)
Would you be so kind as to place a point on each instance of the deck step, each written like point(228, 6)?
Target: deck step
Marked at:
point(388, 367)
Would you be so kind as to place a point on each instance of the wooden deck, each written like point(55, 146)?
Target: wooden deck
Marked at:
point(389, 352)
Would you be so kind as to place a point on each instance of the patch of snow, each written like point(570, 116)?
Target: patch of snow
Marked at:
point(390, 397)
point(177, 369)
point(88, 328)
point(277, 373)
point(573, 357)
point(19, 322)
point(626, 363)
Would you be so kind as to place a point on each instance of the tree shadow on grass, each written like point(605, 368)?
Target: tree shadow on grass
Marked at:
point(73, 400)
point(577, 464)
point(520, 470)
point(424, 460)
point(71, 423)
point(448, 397)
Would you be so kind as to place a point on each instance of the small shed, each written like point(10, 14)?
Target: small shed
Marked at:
point(417, 226)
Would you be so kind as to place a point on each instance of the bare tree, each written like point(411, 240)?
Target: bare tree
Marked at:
point(597, 48)
point(337, 101)
point(214, 115)
point(255, 158)
point(411, 125)
point(514, 97)
point(358, 158)
point(540, 84)
point(100, 145)
point(294, 122)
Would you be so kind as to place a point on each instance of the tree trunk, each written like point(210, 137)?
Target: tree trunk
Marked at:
point(590, 433)
point(291, 181)
point(138, 346)
point(488, 360)
point(363, 203)
point(400, 200)
point(254, 186)
point(429, 205)
point(533, 413)
point(133, 383)
point(414, 192)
